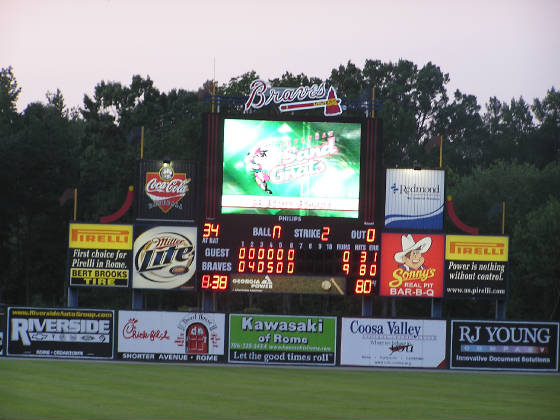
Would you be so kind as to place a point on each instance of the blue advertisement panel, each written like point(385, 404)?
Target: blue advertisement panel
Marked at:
point(504, 345)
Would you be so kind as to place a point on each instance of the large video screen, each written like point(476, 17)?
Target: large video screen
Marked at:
point(301, 168)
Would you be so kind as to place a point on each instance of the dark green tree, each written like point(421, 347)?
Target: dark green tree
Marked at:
point(41, 162)
point(546, 142)
point(536, 275)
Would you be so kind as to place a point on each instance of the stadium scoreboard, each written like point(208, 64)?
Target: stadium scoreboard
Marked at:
point(290, 207)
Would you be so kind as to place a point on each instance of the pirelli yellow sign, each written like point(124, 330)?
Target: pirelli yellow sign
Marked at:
point(100, 236)
point(476, 248)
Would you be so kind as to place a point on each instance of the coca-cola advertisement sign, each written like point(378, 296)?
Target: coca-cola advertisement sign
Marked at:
point(166, 190)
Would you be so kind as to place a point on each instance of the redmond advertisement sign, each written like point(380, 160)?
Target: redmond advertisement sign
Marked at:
point(504, 345)
point(476, 266)
point(99, 255)
point(302, 340)
point(60, 333)
point(414, 199)
point(393, 342)
point(171, 336)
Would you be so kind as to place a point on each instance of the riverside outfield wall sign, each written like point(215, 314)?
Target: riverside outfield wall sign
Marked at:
point(60, 333)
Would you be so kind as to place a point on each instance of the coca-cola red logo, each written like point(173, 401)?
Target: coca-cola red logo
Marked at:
point(166, 194)
point(130, 331)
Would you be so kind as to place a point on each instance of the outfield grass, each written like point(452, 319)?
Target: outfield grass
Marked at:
point(45, 389)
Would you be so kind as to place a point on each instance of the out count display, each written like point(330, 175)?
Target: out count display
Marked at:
point(288, 254)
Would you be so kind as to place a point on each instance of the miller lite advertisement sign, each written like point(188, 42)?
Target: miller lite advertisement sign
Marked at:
point(476, 266)
point(99, 255)
point(171, 336)
point(166, 190)
point(164, 257)
point(504, 345)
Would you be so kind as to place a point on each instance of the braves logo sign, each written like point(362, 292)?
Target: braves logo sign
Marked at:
point(166, 188)
point(294, 99)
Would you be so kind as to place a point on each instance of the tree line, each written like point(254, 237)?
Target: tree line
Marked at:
point(506, 152)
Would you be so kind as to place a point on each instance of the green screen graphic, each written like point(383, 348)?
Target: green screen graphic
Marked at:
point(291, 168)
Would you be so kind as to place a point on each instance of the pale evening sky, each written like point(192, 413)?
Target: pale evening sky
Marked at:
point(489, 47)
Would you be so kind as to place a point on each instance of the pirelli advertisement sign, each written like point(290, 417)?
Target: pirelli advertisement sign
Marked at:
point(60, 333)
point(99, 255)
point(476, 266)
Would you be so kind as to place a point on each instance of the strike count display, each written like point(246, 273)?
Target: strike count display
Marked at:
point(288, 255)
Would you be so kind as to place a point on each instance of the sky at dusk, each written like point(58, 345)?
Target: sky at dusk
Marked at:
point(489, 48)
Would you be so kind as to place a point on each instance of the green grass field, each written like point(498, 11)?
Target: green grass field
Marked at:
point(44, 389)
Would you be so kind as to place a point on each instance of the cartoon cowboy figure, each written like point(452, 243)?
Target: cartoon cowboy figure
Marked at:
point(411, 258)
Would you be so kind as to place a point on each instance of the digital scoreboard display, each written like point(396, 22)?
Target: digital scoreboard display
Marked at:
point(252, 254)
point(290, 207)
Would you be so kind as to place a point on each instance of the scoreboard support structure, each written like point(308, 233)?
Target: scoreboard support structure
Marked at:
point(367, 306)
point(437, 308)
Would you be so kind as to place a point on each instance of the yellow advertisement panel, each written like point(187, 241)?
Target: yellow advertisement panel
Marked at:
point(100, 236)
point(476, 248)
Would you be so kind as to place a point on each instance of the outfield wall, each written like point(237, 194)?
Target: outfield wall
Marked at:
point(195, 337)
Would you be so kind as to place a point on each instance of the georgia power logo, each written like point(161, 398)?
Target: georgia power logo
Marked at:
point(164, 257)
point(166, 187)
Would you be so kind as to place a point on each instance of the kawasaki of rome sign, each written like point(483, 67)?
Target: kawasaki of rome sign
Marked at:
point(294, 99)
